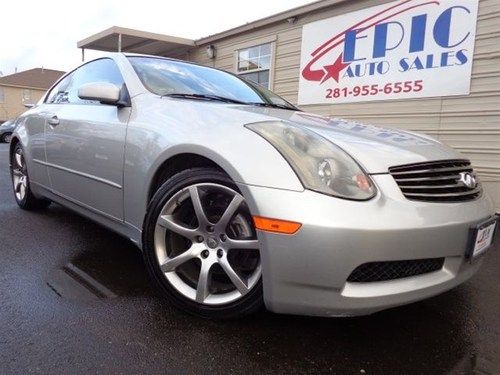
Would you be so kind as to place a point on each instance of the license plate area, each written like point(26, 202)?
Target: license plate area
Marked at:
point(481, 238)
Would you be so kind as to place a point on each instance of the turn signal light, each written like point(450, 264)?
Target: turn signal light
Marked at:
point(275, 225)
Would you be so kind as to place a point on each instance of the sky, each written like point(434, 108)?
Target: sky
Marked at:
point(39, 33)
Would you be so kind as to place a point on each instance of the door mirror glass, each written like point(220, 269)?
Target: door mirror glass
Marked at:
point(103, 92)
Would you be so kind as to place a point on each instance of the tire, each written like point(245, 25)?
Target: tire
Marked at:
point(20, 182)
point(6, 137)
point(225, 251)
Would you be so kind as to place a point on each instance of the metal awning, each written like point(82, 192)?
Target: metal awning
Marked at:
point(121, 39)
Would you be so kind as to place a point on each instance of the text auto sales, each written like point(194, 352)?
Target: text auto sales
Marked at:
point(442, 35)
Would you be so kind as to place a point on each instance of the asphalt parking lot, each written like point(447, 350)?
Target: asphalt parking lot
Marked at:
point(50, 323)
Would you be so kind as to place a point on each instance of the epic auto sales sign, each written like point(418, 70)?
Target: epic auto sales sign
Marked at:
point(403, 49)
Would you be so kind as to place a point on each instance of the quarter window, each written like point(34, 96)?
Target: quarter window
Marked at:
point(102, 70)
point(254, 64)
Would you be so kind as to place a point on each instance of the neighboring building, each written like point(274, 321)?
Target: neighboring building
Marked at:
point(22, 88)
point(325, 57)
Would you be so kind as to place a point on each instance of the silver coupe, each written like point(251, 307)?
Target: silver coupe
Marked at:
point(240, 200)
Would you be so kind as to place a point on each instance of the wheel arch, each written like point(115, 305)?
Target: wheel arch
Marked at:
point(13, 143)
point(244, 164)
point(178, 163)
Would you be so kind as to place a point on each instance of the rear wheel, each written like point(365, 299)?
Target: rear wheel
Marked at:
point(201, 247)
point(21, 184)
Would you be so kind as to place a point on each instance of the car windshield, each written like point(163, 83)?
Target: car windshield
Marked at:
point(180, 79)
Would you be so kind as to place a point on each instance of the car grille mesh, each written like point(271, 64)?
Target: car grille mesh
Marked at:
point(391, 270)
point(437, 181)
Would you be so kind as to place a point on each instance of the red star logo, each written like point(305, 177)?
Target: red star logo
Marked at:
point(333, 71)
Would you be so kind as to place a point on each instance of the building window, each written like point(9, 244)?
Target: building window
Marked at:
point(26, 95)
point(254, 64)
point(2, 95)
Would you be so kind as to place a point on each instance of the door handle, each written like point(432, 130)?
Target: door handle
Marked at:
point(53, 120)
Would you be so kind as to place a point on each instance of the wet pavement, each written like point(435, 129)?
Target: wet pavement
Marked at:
point(50, 325)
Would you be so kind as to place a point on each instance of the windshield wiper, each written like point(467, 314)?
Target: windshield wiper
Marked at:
point(204, 97)
point(274, 105)
point(227, 100)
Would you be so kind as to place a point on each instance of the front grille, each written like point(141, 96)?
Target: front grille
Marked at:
point(391, 270)
point(437, 181)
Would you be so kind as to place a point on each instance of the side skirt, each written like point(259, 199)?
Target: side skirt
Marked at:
point(122, 228)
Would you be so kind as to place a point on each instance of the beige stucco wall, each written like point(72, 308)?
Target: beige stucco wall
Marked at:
point(13, 104)
point(471, 124)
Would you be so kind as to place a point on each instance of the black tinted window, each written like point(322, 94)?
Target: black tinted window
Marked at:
point(103, 70)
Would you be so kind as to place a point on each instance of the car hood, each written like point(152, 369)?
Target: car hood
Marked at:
point(375, 148)
point(9, 126)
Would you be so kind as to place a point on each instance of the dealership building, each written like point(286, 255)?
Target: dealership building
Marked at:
point(420, 65)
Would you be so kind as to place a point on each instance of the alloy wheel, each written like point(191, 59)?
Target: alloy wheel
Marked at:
point(206, 245)
point(19, 175)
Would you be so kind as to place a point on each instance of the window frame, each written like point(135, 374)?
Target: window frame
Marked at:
point(272, 42)
point(69, 74)
point(30, 97)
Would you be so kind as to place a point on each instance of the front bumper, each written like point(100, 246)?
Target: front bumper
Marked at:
point(306, 273)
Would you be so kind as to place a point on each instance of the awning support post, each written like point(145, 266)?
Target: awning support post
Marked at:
point(119, 42)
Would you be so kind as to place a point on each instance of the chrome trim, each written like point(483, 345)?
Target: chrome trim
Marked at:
point(423, 187)
point(451, 177)
point(436, 181)
point(433, 163)
point(89, 176)
point(439, 195)
point(433, 170)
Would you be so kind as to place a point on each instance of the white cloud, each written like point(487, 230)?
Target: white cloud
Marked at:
point(44, 33)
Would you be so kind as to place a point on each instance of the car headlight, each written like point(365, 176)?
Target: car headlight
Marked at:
point(320, 165)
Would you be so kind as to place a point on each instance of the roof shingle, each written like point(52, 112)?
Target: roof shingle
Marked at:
point(37, 78)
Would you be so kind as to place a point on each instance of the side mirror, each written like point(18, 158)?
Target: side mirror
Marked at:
point(29, 105)
point(103, 92)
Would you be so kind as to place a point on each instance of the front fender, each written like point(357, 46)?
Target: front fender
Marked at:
point(21, 135)
point(154, 136)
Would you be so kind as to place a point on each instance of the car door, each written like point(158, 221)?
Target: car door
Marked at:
point(85, 141)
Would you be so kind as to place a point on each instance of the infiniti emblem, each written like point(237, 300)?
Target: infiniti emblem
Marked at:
point(468, 180)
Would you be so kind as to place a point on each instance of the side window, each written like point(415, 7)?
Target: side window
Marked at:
point(102, 70)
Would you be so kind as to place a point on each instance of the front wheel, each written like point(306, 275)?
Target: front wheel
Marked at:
point(201, 248)
point(6, 138)
point(21, 184)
